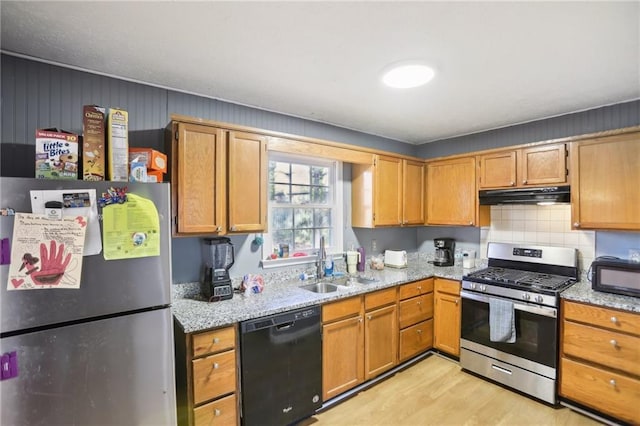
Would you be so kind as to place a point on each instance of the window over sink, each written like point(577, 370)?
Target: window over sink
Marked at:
point(305, 203)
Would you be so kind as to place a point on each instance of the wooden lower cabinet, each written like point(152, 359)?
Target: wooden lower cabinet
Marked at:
point(446, 333)
point(415, 318)
point(359, 340)
point(219, 412)
point(380, 337)
point(207, 377)
point(600, 359)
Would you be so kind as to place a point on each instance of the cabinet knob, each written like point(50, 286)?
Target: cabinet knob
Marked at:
point(612, 382)
point(576, 224)
point(419, 331)
point(456, 302)
point(512, 183)
point(419, 303)
point(613, 342)
point(524, 182)
point(216, 340)
point(217, 412)
point(614, 320)
point(359, 319)
point(218, 229)
point(419, 287)
point(471, 223)
point(216, 365)
point(233, 228)
point(369, 317)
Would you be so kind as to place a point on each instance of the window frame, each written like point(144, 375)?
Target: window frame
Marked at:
point(337, 207)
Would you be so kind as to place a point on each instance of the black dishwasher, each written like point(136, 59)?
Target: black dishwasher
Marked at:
point(281, 369)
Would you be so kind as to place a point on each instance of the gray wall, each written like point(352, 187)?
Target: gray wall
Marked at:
point(39, 95)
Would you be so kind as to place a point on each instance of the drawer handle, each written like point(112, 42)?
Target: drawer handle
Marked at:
point(612, 382)
point(216, 412)
point(614, 320)
point(613, 342)
point(216, 340)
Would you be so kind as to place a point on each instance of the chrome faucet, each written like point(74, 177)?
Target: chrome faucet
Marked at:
point(322, 257)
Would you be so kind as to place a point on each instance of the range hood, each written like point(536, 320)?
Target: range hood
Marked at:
point(544, 195)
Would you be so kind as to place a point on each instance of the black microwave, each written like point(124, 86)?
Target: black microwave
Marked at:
point(617, 276)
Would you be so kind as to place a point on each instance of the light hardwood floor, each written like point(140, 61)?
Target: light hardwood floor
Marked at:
point(435, 391)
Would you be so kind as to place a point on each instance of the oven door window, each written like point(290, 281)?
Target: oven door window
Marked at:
point(536, 335)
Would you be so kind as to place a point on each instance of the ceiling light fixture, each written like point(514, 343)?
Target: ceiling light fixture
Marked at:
point(406, 76)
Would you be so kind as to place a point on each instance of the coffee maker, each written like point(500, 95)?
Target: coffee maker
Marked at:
point(445, 249)
point(217, 258)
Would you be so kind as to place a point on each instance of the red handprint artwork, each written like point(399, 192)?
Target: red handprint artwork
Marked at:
point(52, 265)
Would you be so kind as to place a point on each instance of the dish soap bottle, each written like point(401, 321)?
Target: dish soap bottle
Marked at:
point(328, 267)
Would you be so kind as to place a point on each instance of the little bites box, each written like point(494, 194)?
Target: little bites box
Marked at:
point(118, 144)
point(93, 140)
point(56, 154)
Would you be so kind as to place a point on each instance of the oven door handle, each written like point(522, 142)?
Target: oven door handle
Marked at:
point(527, 307)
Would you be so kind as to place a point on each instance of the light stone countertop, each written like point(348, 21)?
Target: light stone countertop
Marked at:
point(195, 314)
point(582, 292)
point(282, 293)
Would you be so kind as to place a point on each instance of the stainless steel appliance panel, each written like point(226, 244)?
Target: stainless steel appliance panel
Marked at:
point(107, 287)
point(115, 371)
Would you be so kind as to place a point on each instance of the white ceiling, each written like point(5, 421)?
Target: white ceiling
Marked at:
point(497, 63)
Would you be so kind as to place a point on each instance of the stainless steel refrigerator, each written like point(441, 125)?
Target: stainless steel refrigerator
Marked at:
point(101, 354)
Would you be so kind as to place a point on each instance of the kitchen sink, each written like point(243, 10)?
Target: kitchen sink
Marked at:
point(320, 287)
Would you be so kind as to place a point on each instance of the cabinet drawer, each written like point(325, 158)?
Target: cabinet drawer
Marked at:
point(447, 286)
point(605, 347)
point(612, 319)
point(379, 298)
point(415, 310)
point(342, 309)
point(222, 411)
point(214, 341)
point(214, 376)
point(611, 393)
point(416, 339)
point(416, 288)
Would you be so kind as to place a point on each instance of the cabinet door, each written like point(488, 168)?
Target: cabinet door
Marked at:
point(413, 192)
point(446, 335)
point(342, 356)
point(388, 191)
point(543, 165)
point(605, 178)
point(247, 178)
point(497, 169)
point(381, 347)
point(451, 192)
point(198, 179)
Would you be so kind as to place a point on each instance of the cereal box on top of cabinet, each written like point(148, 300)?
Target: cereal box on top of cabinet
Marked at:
point(56, 154)
point(93, 143)
point(118, 144)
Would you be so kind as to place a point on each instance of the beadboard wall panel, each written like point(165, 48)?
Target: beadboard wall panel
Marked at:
point(40, 95)
point(611, 117)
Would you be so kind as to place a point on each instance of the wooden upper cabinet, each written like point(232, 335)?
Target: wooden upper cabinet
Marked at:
point(497, 169)
point(218, 179)
point(542, 165)
point(452, 198)
point(388, 193)
point(413, 192)
point(605, 182)
point(534, 166)
point(247, 182)
point(197, 179)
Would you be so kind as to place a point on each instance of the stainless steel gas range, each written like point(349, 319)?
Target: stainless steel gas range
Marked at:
point(509, 327)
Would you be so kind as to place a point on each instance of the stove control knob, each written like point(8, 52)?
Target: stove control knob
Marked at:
point(472, 286)
point(483, 288)
point(539, 299)
point(526, 296)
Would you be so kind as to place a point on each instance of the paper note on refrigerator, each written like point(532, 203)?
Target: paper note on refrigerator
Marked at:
point(46, 254)
point(131, 229)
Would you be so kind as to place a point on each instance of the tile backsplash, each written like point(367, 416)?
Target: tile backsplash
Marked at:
point(539, 225)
